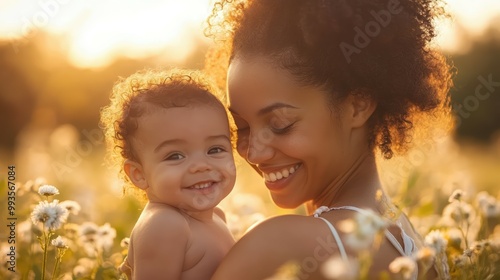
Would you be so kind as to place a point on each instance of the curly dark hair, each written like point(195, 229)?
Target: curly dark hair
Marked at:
point(378, 48)
point(143, 92)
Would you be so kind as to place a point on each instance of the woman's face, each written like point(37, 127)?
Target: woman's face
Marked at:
point(287, 132)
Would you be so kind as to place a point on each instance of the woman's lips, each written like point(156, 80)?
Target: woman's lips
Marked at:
point(278, 180)
point(280, 174)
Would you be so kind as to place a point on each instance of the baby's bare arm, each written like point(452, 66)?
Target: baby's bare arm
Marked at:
point(160, 246)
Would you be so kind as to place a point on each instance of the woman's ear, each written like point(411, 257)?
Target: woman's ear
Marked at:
point(362, 107)
point(135, 173)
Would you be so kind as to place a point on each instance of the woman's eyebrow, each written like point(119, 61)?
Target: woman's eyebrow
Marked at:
point(269, 108)
point(275, 106)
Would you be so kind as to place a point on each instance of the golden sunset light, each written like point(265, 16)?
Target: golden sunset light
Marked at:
point(121, 120)
point(95, 33)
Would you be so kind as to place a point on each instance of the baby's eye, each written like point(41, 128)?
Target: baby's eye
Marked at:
point(174, 156)
point(216, 150)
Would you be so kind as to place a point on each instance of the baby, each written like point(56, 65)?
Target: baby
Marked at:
point(170, 134)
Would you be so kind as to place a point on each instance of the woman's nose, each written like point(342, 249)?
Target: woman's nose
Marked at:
point(258, 147)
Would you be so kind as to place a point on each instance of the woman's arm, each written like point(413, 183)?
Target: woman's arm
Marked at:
point(275, 242)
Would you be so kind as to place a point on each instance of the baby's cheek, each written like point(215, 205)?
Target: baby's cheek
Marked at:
point(230, 168)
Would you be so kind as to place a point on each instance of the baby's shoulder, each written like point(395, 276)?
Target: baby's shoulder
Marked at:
point(161, 219)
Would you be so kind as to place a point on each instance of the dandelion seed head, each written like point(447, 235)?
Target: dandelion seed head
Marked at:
point(405, 266)
point(362, 230)
point(125, 242)
point(369, 222)
point(478, 247)
point(80, 271)
point(50, 214)
point(426, 256)
point(48, 190)
point(337, 268)
point(88, 228)
point(459, 212)
point(59, 242)
point(73, 207)
point(457, 195)
point(34, 185)
point(106, 235)
point(436, 241)
point(489, 205)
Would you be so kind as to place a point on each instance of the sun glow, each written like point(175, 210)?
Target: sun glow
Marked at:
point(93, 33)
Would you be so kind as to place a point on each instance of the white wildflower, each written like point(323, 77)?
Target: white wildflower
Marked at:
point(33, 185)
point(362, 229)
point(436, 241)
point(337, 268)
point(83, 268)
point(50, 214)
point(59, 242)
point(88, 238)
point(106, 235)
point(426, 256)
point(48, 190)
point(457, 195)
point(88, 228)
point(489, 205)
point(125, 242)
point(459, 212)
point(72, 206)
point(478, 246)
point(404, 266)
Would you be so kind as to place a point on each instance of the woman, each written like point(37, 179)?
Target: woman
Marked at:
point(316, 88)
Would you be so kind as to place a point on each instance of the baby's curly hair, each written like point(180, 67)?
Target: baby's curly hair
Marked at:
point(143, 92)
point(337, 46)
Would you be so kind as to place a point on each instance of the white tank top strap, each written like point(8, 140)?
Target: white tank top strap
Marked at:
point(335, 234)
point(408, 242)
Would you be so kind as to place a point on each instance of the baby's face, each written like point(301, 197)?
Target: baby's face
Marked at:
point(186, 156)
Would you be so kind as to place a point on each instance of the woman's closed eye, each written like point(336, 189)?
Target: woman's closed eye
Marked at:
point(282, 129)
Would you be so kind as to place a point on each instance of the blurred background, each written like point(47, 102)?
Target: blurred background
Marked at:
point(60, 58)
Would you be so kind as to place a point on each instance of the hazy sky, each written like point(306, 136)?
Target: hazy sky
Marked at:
point(95, 32)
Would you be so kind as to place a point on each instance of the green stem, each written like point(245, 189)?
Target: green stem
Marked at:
point(45, 241)
point(56, 265)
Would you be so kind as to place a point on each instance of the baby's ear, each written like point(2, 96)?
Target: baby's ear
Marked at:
point(135, 173)
point(363, 106)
